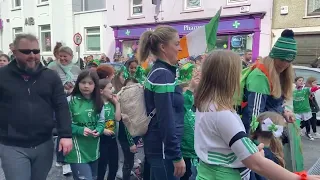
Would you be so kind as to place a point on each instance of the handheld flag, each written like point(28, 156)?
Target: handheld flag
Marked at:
point(200, 40)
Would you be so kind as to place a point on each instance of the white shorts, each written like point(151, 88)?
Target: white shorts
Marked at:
point(304, 116)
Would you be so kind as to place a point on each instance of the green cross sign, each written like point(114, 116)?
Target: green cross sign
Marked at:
point(128, 32)
point(236, 24)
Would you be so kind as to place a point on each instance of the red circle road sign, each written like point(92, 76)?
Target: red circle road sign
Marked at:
point(77, 39)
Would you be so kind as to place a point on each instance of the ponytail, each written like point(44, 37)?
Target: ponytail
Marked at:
point(144, 46)
point(277, 149)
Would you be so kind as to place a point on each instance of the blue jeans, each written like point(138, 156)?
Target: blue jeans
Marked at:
point(88, 171)
point(161, 169)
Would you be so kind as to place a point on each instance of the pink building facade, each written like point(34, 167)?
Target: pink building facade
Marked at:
point(244, 24)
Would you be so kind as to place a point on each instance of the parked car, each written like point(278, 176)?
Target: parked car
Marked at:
point(307, 72)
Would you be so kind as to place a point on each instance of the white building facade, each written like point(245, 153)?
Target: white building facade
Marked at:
point(57, 21)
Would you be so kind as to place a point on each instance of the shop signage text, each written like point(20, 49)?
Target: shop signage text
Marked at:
point(185, 28)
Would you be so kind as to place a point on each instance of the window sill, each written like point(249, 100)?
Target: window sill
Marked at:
point(43, 4)
point(236, 5)
point(87, 12)
point(16, 9)
point(46, 53)
point(136, 17)
point(191, 10)
point(310, 17)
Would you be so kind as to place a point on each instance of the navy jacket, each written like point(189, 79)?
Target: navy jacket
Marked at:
point(269, 155)
point(164, 135)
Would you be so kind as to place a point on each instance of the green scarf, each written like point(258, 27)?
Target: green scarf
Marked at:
point(67, 70)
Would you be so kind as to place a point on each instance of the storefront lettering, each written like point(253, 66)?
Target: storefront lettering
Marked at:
point(190, 28)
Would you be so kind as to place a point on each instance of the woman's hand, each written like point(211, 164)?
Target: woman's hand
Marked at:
point(289, 116)
point(179, 168)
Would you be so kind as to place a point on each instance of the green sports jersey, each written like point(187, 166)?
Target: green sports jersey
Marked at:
point(85, 148)
point(301, 100)
point(109, 115)
point(187, 145)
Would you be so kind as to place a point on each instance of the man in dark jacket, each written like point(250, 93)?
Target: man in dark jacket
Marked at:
point(29, 95)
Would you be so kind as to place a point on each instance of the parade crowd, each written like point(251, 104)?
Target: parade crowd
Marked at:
point(209, 118)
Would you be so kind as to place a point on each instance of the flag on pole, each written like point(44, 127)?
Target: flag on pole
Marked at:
point(200, 40)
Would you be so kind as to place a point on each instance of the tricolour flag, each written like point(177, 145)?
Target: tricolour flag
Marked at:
point(200, 40)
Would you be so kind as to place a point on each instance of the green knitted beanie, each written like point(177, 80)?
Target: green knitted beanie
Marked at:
point(285, 48)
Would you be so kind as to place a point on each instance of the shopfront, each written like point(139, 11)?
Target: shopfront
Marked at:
point(236, 33)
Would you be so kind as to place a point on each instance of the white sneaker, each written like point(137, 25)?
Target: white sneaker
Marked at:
point(310, 137)
point(58, 164)
point(316, 135)
point(66, 169)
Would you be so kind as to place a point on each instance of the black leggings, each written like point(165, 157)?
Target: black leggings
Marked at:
point(312, 121)
point(128, 161)
point(108, 157)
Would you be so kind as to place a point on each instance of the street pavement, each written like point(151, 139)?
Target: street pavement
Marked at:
point(311, 151)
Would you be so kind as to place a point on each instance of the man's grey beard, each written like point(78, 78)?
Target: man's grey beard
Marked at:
point(26, 68)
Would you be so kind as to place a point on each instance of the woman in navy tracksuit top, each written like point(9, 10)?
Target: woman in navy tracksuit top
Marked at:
point(162, 142)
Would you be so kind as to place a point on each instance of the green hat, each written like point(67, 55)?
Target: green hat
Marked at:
point(285, 48)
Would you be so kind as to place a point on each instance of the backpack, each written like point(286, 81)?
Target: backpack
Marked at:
point(133, 109)
point(240, 99)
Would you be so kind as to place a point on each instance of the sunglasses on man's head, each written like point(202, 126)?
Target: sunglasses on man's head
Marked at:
point(28, 51)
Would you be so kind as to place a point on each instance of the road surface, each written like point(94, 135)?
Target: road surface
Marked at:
point(311, 151)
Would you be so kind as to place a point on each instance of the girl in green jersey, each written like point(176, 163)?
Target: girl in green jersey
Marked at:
point(87, 125)
point(108, 144)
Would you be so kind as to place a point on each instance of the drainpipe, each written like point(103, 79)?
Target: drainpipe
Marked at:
point(1, 30)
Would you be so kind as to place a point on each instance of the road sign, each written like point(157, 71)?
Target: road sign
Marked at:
point(77, 39)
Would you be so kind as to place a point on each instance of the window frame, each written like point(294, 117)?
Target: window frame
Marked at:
point(40, 37)
point(14, 32)
point(307, 14)
point(14, 6)
point(86, 37)
point(229, 2)
point(132, 6)
point(186, 8)
point(83, 8)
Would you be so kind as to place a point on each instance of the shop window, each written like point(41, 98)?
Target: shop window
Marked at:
point(222, 42)
point(232, 2)
point(129, 48)
point(192, 4)
point(16, 3)
point(45, 38)
point(93, 39)
point(308, 48)
point(88, 5)
point(136, 7)
point(240, 43)
point(313, 7)
point(16, 31)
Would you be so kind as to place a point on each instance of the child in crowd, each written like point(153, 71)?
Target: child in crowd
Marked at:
point(108, 142)
point(221, 142)
point(187, 145)
point(267, 129)
point(128, 143)
point(312, 82)
point(87, 125)
point(4, 60)
point(301, 106)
